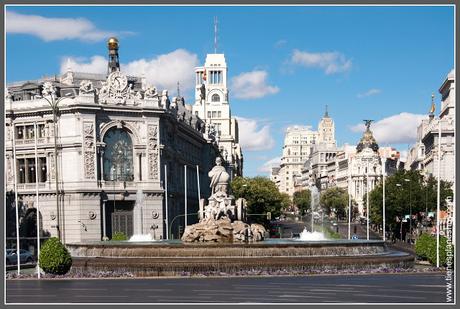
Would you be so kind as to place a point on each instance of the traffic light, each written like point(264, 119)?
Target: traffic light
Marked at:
point(269, 215)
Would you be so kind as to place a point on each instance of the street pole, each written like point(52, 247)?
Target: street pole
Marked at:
point(198, 183)
point(166, 201)
point(58, 215)
point(438, 210)
point(383, 201)
point(349, 210)
point(37, 203)
point(185, 192)
point(367, 198)
point(16, 200)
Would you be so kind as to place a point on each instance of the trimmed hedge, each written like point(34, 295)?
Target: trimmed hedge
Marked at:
point(425, 248)
point(119, 236)
point(54, 257)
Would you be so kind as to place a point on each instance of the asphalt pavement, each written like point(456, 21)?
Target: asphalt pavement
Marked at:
point(369, 288)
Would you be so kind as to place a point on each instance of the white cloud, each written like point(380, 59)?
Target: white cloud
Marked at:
point(254, 137)
point(396, 129)
point(252, 85)
point(330, 62)
point(51, 29)
point(162, 71)
point(280, 43)
point(369, 93)
point(267, 166)
point(403, 155)
point(96, 64)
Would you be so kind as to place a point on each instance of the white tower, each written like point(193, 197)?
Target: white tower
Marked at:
point(326, 130)
point(212, 105)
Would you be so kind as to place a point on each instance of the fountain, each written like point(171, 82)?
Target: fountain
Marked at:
point(314, 202)
point(223, 242)
point(141, 238)
point(311, 236)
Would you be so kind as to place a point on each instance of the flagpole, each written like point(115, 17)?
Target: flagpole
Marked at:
point(438, 210)
point(185, 192)
point(198, 183)
point(367, 198)
point(16, 200)
point(349, 209)
point(37, 203)
point(383, 201)
point(166, 201)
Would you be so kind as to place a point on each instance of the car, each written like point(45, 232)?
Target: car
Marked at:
point(25, 257)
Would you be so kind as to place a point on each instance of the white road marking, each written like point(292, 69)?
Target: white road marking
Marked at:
point(390, 296)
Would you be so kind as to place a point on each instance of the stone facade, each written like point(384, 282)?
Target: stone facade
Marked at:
point(116, 137)
point(424, 153)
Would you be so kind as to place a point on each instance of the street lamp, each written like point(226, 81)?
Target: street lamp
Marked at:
point(400, 231)
point(410, 208)
point(49, 95)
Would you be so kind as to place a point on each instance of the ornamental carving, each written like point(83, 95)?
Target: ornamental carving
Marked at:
point(150, 93)
point(48, 89)
point(10, 169)
point(115, 90)
point(89, 150)
point(86, 87)
point(52, 173)
point(152, 149)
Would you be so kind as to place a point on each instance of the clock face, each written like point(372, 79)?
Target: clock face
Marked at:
point(118, 81)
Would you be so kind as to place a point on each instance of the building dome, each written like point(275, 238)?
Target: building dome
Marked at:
point(112, 43)
point(367, 141)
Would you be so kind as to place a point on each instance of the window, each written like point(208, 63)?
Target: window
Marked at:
point(20, 132)
point(21, 171)
point(209, 114)
point(214, 114)
point(219, 114)
point(215, 98)
point(215, 77)
point(26, 170)
point(118, 156)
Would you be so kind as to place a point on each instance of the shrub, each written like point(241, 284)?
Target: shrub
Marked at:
point(422, 246)
point(425, 248)
point(119, 236)
point(54, 257)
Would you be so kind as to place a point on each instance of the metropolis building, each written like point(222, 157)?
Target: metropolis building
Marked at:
point(121, 145)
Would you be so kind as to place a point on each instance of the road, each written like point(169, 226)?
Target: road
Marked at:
point(375, 288)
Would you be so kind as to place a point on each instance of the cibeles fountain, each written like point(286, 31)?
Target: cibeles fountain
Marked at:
point(222, 219)
point(223, 242)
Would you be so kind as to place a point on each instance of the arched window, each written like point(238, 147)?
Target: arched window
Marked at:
point(118, 156)
point(215, 98)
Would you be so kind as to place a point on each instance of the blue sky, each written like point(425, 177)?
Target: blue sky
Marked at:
point(378, 63)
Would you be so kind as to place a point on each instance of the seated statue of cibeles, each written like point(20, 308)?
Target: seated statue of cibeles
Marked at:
point(219, 191)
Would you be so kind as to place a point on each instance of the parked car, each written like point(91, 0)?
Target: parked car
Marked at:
point(24, 257)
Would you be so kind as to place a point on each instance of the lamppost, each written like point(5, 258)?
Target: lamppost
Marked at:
point(400, 231)
point(49, 95)
point(410, 209)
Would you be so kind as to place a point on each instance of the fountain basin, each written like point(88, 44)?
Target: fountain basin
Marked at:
point(169, 258)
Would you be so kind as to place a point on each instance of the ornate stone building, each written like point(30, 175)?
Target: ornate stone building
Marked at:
point(213, 106)
point(424, 154)
point(115, 136)
point(365, 168)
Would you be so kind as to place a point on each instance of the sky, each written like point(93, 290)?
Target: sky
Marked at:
point(285, 63)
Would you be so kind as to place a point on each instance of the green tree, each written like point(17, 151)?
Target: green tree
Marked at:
point(262, 196)
point(405, 190)
point(335, 198)
point(285, 201)
point(302, 200)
